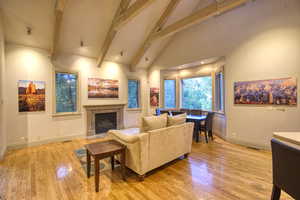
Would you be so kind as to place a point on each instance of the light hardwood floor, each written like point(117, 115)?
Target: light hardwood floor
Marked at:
point(217, 170)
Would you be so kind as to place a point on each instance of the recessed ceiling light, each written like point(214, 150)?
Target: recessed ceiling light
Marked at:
point(29, 29)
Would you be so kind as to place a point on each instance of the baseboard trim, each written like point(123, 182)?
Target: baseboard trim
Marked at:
point(219, 134)
point(46, 141)
point(248, 144)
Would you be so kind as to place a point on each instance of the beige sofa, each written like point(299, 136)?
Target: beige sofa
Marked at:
point(154, 148)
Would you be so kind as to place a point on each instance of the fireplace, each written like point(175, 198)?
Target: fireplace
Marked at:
point(101, 118)
point(105, 122)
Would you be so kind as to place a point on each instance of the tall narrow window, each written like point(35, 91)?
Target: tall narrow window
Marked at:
point(170, 93)
point(197, 93)
point(66, 88)
point(133, 94)
point(220, 92)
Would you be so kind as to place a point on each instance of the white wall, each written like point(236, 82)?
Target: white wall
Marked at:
point(24, 63)
point(260, 41)
point(2, 81)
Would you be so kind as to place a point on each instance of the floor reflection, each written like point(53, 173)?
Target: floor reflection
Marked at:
point(63, 171)
point(201, 174)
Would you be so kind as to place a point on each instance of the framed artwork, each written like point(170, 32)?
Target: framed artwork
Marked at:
point(103, 88)
point(66, 92)
point(266, 92)
point(154, 96)
point(31, 96)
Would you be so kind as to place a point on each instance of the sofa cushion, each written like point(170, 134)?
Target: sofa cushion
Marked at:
point(154, 122)
point(176, 120)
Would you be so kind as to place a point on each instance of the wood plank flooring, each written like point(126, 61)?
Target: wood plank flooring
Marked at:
point(213, 171)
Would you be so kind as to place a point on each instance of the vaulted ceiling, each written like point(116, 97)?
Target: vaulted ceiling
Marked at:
point(89, 21)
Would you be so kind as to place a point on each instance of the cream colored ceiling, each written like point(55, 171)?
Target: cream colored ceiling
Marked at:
point(89, 21)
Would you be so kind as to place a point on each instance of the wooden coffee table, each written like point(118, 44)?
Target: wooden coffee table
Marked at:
point(101, 150)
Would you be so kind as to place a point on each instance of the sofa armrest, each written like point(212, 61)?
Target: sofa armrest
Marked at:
point(137, 149)
point(123, 137)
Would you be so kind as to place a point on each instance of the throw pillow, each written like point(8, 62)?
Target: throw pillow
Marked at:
point(154, 122)
point(176, 120)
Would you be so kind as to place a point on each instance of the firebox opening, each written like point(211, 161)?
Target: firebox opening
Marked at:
point(105, 122)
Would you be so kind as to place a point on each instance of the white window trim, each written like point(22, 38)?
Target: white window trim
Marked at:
point(78, 112)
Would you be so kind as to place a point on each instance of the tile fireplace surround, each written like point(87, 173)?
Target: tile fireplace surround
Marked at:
point(92, 110)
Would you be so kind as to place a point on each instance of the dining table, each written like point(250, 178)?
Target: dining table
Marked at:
point(197, 119)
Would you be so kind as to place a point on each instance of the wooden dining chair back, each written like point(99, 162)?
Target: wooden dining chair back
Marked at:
point(164, 111)
point(209, 121)
point(286, 173)
point(177, 112)
point(207, 126)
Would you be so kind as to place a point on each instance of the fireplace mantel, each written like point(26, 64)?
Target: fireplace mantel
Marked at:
point(92, 110)
point(104, 106)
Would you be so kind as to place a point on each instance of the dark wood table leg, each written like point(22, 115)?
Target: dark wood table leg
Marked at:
point(97, 174)
point(88, 162)
point(112, 160)
point(123, 160)
point(197, 124)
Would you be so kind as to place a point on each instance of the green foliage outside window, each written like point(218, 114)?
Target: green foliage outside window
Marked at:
point(197, 93)
point(170, 93)
point(133, 93)
point(66, 92)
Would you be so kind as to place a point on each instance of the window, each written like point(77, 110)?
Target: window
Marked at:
point(66, 89)
point(197, 93)
point(133, 93)
point(220, 92)
point(170, 93)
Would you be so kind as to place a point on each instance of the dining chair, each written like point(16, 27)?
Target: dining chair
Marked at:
point(165, 111)
point(177, 112)
point(206, 127)
point(286, 165)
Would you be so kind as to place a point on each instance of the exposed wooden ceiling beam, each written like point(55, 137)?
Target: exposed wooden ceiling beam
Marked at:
point(122, 16)
point(201, 15)
point(159, 24)
point(112, 32)
point(59, 10)
point(131, 12)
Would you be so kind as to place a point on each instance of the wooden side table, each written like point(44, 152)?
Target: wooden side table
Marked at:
point(101, 150)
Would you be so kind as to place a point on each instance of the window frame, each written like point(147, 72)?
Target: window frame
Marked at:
point(220, 97)
point(138, 96)
point(212, 92)
point(78, 111)
point(163, 95)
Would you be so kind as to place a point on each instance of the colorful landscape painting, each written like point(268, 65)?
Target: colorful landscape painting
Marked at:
point(31, 96)
point(266, 92)
point(103, 88)
point(154, 96)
